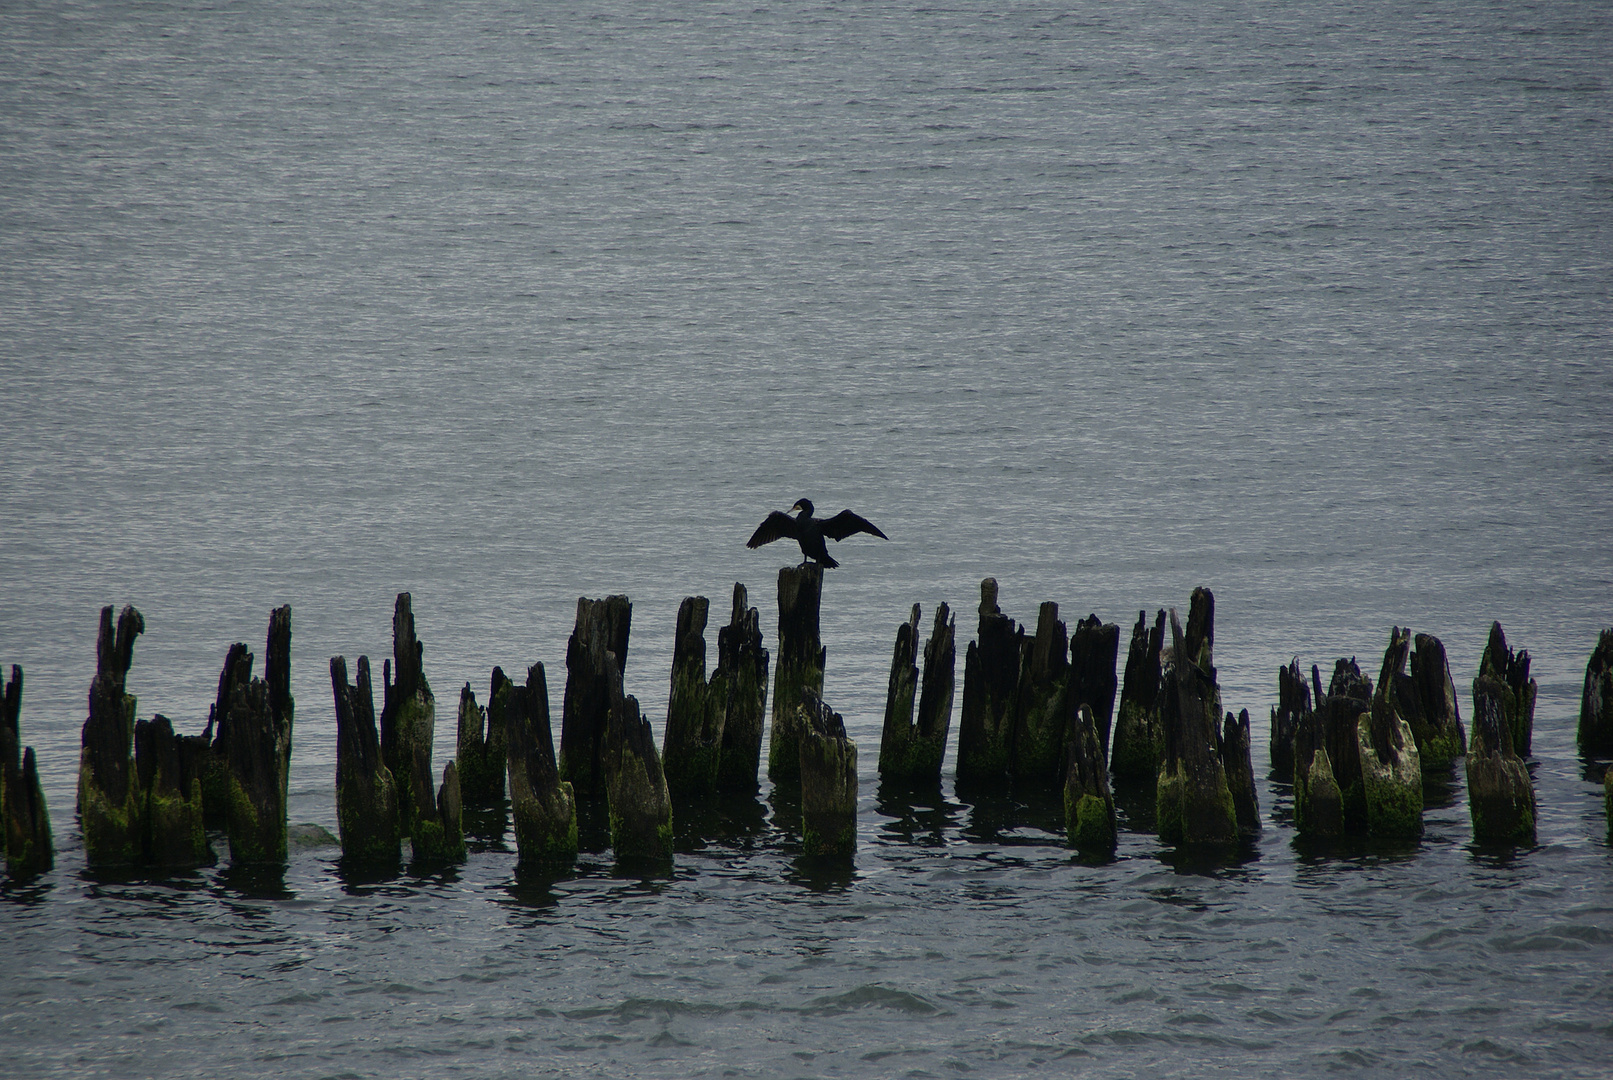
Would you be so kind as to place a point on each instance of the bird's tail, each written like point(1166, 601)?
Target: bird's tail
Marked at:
point(828, 560)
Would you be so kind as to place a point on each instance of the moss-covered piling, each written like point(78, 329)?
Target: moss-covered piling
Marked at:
point(911, 751)
point(741, 682)
point(691, 749)
point(109, 797)
point(24, 818)
point(366, 792)
point(1596, 700)
point(596, 657)
point(639, 803)
point(828, 770)
point(259, 722)
point(1500, 793)
point(543, 806)
point(1139, 744)
point(990, 680)
point(1511, 670)
point(1089, 805)
point(800, 665)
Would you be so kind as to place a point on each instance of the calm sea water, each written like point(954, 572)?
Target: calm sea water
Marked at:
point(503, 305)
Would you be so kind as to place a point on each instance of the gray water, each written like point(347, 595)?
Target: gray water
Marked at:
point(503, 306)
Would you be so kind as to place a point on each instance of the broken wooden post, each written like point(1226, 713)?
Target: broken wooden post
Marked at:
point(828, 770)
point(801, 660)
point(109, 799)
point(1500, 794)
point(1391, 769)
point(259, 751)
point(1329, 795)
point(480, 756)
point(1139, 745)
point(596, 655)
point(1094, 650)
point(1511, 670)
point(29, 850)
point(544, 806)
point(695, 711)
point(1427, 702)
point(366, 791)
point(209, 752)
point(1596, 700)
point(741, 682)
point(1041, 726)
point(1293, 705)
point(173, 833)
point(639, 803)
point(908, 751)
point(1194, 801)
point(990, 679)
point(1236, 753)
point(1089, 805)
point(408, 721)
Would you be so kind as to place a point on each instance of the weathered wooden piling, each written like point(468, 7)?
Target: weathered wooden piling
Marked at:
point(1500, 794)
point(1235, 750)
point(173, 834)
point(259, 751)
point(1511, 670)
point(913, 751)
point(1089, 805)
point(26, 819)
point(1194, 800)
point(209, 752)
point(408, 721)
point(692, 741)
point(1426, 700)
point(990, 680)
point(801, 660)
point(109, 798)
point(639, 803)
point(828, 770)
point(596, 655)
point(1329, 793)
point(544, 806)
point(741, 676)
point(1139, 744)
point(1094, 650)
point(1041, 724)
point(1391, 768)
point(1293, 705)
point(1596, 700)
point(366, 791)
point(480, 756)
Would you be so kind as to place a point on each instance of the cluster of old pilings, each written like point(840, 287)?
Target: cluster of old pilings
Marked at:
point(1038, 712)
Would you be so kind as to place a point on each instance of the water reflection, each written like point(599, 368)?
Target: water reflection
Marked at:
point(1232, 861)
point(593, 824)
point(919, 813)
point(726, 820)
point(487, 826)
point(822, 875)
point(361, 877)
point(1137, 807)
point(256, 882)
point(1013, 814)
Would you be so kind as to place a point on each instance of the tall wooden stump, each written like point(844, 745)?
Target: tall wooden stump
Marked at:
point(635, 786)
point(1235, 748)
point(1511, 670)
point(1427, 702)
point(209, 753)
point(908, 751)
point(109, 797)
point(1596, 701)
point(544, 806)
point(1391, 769)
point(1094, 650)
point(366, 792)
point(259, 751)
point(174, 835)
point(741, 682)
point(1293, 706)
point(1089, 805)
point(801, 659)
point(990, 680)
point(695, 712)
point(29, 849)
point(1500, 794)
point(1139, 744)
point(828, 769)
point(596, 655)
point(1329, 793)
point(1194, 800)
point(1041, 725)
point(408, 723)
point(480, 757)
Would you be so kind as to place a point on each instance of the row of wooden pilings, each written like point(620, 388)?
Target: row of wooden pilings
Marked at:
point(1038, 709)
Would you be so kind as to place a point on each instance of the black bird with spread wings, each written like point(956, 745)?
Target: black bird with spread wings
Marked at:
point(810, 532)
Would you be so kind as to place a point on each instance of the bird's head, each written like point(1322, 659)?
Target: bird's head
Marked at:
point(803, 505)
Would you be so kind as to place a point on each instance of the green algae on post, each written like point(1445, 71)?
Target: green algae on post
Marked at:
point(801, 660)
point(691, 749)
point(596, 658)
point(913, 751)
point(543, 806)
point(109, 802)
point(828, 769)
point(741, 679)
point(366, 792)
point(990, 679)
point(1139, 745)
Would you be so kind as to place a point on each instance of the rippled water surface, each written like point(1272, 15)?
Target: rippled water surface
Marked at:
point(503, 305)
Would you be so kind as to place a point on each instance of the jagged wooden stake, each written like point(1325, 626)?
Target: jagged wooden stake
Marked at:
point(1500, 795)
point(1194, 801)
point(29, 849)
point(639, 803)
point(740, 681)
point(480, 758)
point(259, 752)
point(1041, 726)
point(174, 833)
point(801, 659)
point(1293, 706)
point(828, 767)
point(596, 658)
point(1139, 744)
point(1391, 769)
point(990, 679)
point(544, 806)
point(1089, 805)
point(1511, 670)
point(913, 751)
point(366, 792)
point(1596, 701)
point(1094, 648)
point(408, 725)
point(1329, 793)
point(109, 799)
point(692, 746)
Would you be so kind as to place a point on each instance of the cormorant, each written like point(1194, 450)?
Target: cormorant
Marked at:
point(809, 531)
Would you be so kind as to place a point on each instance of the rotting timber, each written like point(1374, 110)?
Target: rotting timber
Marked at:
point(366, 792)
point(912, 751)
point(434, 822)
point(1139, 743)
point(691, 748)
point(109, 802)
point(741, 674)
point(799, 666)
point(1500, 794)
point(26, 819)
point(1596, 700)
point(543, 806)
point(596, 659)
point(259, 750)
point(828, 770)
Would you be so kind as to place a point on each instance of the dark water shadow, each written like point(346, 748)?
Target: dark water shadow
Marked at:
point(532, 888)
point(818, 874)
point(649, 871)
point(1282, 802)
point(1441, 787)
point(256, 881)
point(1353, 850)
point(1593, 770)
point(363, 877)
point(1500, 856)
point(998, 815)
point(1137, 807)
point(1229, 862)
point(487, 826)
point(785, 800)
point(433, 872)
point(26, 890)
point(101, 878)
point(593, 824)
point(918, 813)
point(725, 819)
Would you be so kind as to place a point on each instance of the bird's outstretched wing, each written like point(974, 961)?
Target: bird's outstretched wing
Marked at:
point(777, 526)
point(845, 523)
